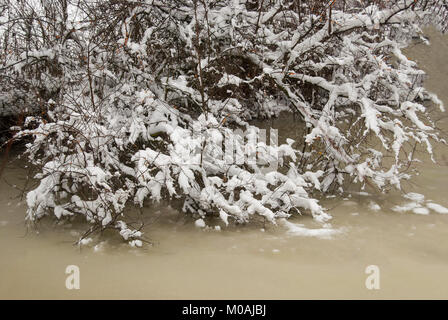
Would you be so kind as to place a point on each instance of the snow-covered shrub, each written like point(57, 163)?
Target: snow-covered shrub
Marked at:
point(138, 101)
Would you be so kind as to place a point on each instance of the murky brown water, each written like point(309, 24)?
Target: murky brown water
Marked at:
point(410, 249)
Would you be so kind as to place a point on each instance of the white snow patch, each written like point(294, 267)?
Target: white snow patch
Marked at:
point(99, 247)
point(407, 207)
point(374, 206)
point(85, 241)
point(420, 210)
point(199, 223)
point(300, 230)
point(136, 243)
point(437, 208)
point(417, 197)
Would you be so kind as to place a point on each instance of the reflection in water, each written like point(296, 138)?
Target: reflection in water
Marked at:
point(300, 260)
